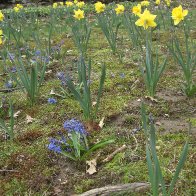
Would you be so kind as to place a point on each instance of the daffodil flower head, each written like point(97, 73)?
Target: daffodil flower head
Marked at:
point(168, 2)
point(16, 9)
point(1, 16)
point(61, 3)
point(99, 7)
point(75, 1)
point(137, 9)
point(158, 2)
point(54, 5)
point(120, 9)
point(146, 20)
point(78, 14)
point(80, 4)
point(69, 3)
point(178, 14)
point(145, 3)
point(19, 6)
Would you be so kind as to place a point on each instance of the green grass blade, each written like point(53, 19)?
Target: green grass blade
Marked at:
point(179, 167)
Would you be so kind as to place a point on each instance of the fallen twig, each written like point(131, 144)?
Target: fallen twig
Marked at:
point(107, 190)
point(9, 90)
point(111, 156)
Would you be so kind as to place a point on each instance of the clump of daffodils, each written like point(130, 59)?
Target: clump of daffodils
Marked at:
point(69, 3)
point(61, 3)
point(18, 7)
point(80, 4)
point(158, 2)
point(120, 9)
point(178, 14)
point(145, 3)
point(168, 2)
point(78, 14)
point(55, 5)
point(1, 16)
point(99, 7)
point(137, 9)
point(146, 20)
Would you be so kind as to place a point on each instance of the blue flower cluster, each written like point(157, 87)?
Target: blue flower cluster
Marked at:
point(9, 84)
point(59, 145)
point(61, 77)
point(74, 125)
point(52, 100)
point(39, 57)
point(54, 145)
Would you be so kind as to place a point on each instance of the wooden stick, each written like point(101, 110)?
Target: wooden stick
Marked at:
point(108, 190)
point(111, 156)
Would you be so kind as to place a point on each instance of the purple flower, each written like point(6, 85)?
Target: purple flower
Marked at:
point(9, 84)
point(122, 75)
point(52, 100)
point(61, 76)
point(37, 53)
point(11, 56)
point(13, 69)
point(54, 145)
point(46, 59)
point(74, 125)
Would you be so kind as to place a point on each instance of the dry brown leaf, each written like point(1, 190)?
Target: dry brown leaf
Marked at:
point(94, 103)
point(151, 99)
point(17, 113)
point(48, 72)
point(101, 123)
point(29, 119)
point(52, 92)
point(158, 123)
point(92, 166)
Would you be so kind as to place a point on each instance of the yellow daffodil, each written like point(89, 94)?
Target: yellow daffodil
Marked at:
point(54, 5)
point(1, 16)
point(120, 9)
point(158, 2)
point(75, 1)
point(19, 6)
point(80, 4)
point(168, 2)
point(61, 3)
point(99, 7)
point(16, 9)
point(146, 20)
point(69, 3)
point(145, 3)
point(178, 14)
point(137, 9)
point(78, 14)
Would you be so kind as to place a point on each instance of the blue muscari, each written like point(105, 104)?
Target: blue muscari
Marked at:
point(54, 145)
point(9, 84)
point(74, 125)
point(52, 100)
point(61, 77)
